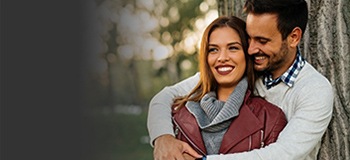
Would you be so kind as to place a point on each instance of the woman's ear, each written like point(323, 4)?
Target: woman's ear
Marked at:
point(295, 37)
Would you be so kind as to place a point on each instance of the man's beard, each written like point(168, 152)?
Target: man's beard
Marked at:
point(277, 61)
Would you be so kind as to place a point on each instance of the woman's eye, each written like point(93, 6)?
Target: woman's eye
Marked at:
point(212, 50)
point(231, 48)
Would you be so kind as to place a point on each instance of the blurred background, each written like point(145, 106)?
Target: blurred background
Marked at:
point(136, 47)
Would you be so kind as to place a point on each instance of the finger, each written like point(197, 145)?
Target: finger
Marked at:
point(188, 149)
point(179, 157)
point(188, 157)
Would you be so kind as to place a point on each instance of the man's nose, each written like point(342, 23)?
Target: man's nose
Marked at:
point(253, 48)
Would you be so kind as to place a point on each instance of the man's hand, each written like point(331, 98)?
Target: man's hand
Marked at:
point(188, 157)
point(167, 147)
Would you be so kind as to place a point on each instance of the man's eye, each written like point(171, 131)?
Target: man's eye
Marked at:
point(263, 41)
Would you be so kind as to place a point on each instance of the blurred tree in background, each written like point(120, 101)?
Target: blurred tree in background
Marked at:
point(143, 45)
point(136, 47)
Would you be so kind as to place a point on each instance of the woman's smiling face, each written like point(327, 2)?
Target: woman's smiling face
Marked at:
point(226, 57)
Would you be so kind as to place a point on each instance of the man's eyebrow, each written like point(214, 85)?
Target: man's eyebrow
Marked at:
point(260, 37)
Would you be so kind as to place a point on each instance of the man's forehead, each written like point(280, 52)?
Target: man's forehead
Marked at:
point(267, 18)
point(262, 24)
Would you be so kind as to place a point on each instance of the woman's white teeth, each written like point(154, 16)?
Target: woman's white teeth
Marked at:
point(224, 69)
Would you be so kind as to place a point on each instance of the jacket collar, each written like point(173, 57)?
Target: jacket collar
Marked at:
point(184, 119)
point(241, 127)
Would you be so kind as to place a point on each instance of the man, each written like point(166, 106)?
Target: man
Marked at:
point(275, 28)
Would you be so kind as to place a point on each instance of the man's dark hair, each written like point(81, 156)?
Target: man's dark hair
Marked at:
point(291, 13)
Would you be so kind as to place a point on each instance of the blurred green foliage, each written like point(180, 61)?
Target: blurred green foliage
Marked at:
point(119, 136)
point(126, 78)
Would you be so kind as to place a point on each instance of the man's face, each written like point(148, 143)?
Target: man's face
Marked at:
point(269, 51)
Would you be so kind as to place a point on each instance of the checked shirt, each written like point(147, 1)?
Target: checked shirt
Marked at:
point(287, 77)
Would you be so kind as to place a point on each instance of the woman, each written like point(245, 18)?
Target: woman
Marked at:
point(221, 115)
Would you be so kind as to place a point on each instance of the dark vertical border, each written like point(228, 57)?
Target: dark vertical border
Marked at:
point(2, 69)
point(41, 56)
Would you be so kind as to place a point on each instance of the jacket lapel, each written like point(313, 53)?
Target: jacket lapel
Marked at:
point(241, 127)
point(189, 126)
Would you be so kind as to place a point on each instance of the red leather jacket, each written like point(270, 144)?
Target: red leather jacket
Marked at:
point(257, 125)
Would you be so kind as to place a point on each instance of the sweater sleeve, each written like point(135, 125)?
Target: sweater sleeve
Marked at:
point(304, 130)
point(159, 113)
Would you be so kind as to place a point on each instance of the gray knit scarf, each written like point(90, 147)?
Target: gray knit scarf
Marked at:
point(214, 116)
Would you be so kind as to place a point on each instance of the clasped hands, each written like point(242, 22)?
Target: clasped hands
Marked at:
point(167, 147)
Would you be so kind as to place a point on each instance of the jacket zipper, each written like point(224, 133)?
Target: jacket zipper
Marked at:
point(187, 138)
point(262, 139)
point(250, 143)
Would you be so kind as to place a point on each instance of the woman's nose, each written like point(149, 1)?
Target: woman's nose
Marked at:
point(223, 56)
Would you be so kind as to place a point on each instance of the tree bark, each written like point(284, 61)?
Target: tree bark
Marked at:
point(326, 45)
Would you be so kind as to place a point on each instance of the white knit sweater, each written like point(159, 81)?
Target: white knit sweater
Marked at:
point(308, 106)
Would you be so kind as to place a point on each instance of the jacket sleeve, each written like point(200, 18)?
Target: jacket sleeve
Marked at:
point(159, 120)
point(280, 123)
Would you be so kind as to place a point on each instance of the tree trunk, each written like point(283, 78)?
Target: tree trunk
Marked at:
point(326, 45)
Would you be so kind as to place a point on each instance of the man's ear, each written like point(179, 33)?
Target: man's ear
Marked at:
point(295, 37)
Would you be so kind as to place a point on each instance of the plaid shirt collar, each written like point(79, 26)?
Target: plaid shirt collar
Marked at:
point(287, 77)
